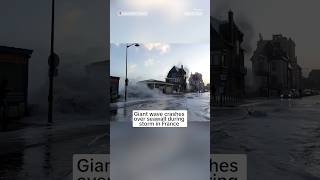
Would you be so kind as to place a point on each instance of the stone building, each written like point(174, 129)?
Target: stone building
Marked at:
point(275, 67)
point(14, 69)
point(178, 77)
point(227, 59)
point(196, 83)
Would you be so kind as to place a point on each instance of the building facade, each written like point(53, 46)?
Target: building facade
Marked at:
point(313, 80)
point(227, 59)
point(275, 68)
point(178, 77)
point(14, 70)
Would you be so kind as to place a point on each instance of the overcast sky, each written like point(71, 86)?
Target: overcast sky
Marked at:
point(167, 21)
point(154, 60)
point(81, 32)
point(293, 18)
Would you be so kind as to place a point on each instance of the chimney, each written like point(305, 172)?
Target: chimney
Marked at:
point(181, 66)
point(231, 25)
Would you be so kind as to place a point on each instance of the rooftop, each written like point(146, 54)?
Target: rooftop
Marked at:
point(14, 50)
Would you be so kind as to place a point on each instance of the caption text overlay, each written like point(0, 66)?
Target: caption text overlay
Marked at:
point(159, 118)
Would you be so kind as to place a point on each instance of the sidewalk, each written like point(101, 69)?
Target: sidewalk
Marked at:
point(35, 130)
point(238, 111)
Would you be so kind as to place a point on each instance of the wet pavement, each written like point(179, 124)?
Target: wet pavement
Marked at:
point(45, 152)
point(280, 137)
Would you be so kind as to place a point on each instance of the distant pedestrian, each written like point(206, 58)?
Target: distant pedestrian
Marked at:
point(3, 104)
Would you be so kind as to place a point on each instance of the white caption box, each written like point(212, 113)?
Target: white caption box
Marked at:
point(159, 118)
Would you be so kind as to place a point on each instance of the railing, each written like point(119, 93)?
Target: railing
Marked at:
point(225, 100)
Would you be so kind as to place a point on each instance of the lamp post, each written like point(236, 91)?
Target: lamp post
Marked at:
point(126, 80)
point(53, 62)
point(51, 66)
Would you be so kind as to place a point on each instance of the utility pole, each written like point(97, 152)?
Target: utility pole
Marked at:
point(51, 67)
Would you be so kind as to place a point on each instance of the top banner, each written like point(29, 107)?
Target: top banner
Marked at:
point(178, 21)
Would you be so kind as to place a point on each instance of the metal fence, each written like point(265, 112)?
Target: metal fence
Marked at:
point(225, 101)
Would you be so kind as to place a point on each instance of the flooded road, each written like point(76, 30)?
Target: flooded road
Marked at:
point(280, 137)
point(197, 105)
point(161, 153)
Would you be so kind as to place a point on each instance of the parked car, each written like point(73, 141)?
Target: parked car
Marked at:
point(295, 93)
point(307, 92)
point(286, 94)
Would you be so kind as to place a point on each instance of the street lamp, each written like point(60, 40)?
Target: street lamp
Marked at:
point(127, 81)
